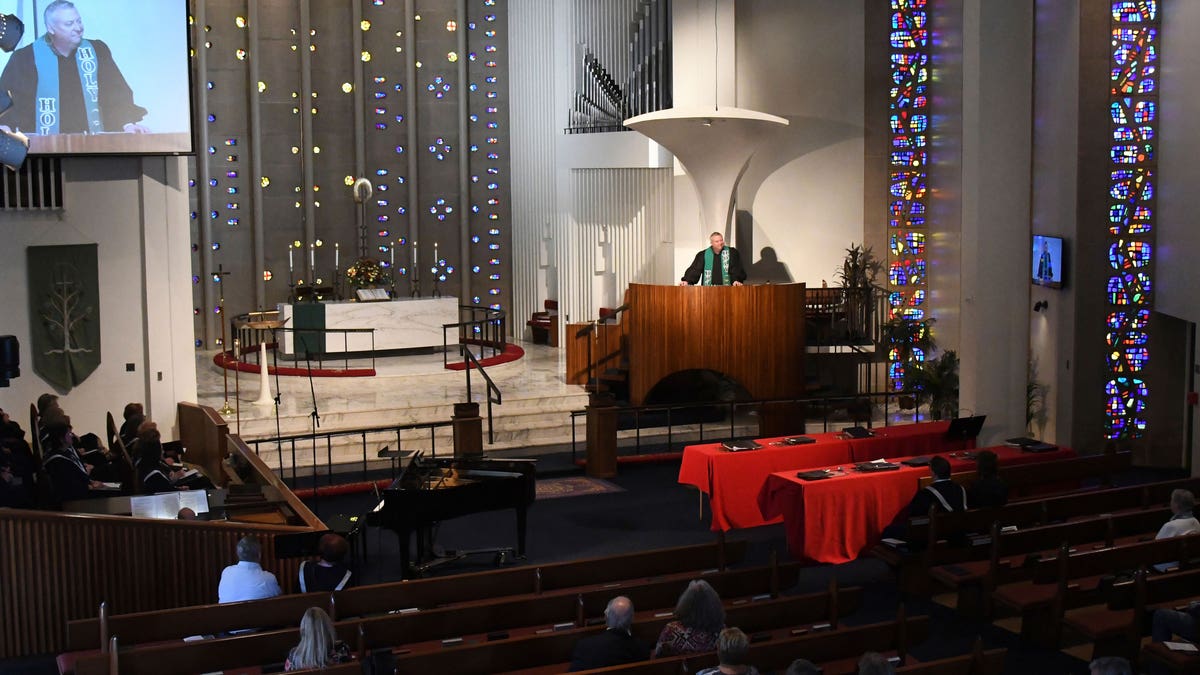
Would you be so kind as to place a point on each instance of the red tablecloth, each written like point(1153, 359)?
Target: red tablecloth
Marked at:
point(834, 520)
point(732, 480)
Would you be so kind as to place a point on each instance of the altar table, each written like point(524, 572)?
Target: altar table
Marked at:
point(835, 519)
point(732, 480)
point(398, 324)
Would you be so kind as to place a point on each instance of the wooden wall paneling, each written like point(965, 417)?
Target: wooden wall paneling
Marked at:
point(752, 334)
point(60, 566)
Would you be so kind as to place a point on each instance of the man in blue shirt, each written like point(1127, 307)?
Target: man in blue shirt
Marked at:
point(247, 580)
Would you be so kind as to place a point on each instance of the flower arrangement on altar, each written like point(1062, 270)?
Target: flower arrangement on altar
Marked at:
point(364, 273)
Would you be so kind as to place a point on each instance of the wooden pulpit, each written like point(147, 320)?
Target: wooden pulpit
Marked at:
point(751, 334)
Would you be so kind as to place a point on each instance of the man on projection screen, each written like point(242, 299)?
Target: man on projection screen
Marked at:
point(64, 84)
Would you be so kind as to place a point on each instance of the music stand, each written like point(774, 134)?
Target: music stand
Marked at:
point(965, 428)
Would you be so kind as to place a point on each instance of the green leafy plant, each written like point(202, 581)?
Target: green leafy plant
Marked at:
point(1035, 398)
point(935, 382)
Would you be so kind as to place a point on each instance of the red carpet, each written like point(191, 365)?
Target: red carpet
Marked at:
point(511, 353)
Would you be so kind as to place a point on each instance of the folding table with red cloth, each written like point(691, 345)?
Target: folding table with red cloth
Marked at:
point(732, 480)
point(835, 519)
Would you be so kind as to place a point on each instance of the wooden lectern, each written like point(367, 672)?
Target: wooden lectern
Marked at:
point(752, 334)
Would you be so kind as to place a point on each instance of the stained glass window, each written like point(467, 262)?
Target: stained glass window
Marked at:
point(908, 121)
point(1133, 108)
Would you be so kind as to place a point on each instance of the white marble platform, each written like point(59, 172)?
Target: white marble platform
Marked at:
point(405, 323)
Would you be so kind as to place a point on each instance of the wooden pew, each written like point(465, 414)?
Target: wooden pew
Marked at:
point(1024, 479)
point(837, 652)
point(177, 623)
point(476, 586)
point(202, 656)
point(284, 611)
point(553, 649)
point(1115, 628)
point(978, 662)
point(525, 611)
point(975, 580)
point(527, 614)
point(1174, 662)
point(933, 530)
point(1071, 580)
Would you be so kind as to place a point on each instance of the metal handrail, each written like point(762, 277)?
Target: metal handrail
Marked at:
point(469, 360)
point(733, 407)
point(328, 436)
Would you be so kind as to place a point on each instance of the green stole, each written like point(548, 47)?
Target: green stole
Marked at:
point(709, 259)
point(47, 102)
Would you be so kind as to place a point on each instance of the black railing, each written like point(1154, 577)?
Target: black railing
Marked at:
point(487, 328)
point(252, 329)
point(299, 444)
point(744, 412)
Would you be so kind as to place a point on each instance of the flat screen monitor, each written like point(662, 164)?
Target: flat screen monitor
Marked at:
point(100, 77)
point(1048, 260)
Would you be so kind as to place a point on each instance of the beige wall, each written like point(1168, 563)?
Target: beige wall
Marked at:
point(136, 210)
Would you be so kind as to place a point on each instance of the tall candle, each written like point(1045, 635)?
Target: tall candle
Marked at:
point(291, 265)
point(337, 256)
point(435, 254)
point(414, 265)
point(312, 258)
point(393, 260)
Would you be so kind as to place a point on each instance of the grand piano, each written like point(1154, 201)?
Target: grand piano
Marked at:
point(431, 490)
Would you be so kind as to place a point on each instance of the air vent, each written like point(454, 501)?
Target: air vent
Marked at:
point(38, 186)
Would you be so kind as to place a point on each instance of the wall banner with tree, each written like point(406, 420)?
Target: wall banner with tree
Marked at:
point(64, 312)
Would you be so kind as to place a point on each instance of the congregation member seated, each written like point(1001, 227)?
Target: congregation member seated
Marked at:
point(803, 667)
point(733, 647)
point(988, 490)
point(616, 645)
point(134, 415)
point(1110, 665)
point(699, 619)
point(16, 450)
point(327, 573)
point(15, 493)
point(70, 477)
point(319, 646)
point(1182, 521)
point(247, 580)
point(151, 471)
point(943, 494)
point(147, 432)
point(874, 663)
point(1169, 623)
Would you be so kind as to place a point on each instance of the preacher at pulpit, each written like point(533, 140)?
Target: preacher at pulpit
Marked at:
point(717, 265)
point(63, 83)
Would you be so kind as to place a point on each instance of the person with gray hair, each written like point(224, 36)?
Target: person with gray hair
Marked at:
point(247, 580)
point(699, 618)
point(64, 83)
point(733, 650)
point(803, 667)
point(1110, 665)
point(616, 645)
point(1182, 521)
point(874, 663)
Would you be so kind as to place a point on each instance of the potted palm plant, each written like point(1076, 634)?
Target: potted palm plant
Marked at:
point(935, 382)
point(857, 275)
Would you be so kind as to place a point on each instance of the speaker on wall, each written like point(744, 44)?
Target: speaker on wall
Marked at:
point(10, 359)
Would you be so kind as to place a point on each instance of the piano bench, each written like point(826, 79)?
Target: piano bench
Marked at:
point(352, 528)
